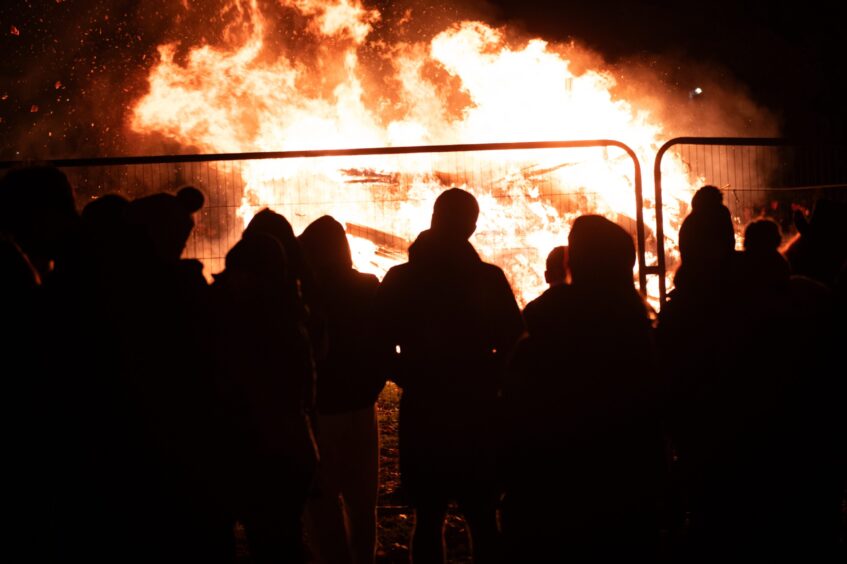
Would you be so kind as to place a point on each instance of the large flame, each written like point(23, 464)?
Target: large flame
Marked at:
point(465, 84)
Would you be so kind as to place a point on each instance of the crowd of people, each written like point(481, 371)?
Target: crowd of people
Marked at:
point(148, 410)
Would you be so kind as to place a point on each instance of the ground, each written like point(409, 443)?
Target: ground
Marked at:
point(395, 518)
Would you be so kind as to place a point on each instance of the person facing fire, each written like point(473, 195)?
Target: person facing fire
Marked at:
point(265, 374)
point(452, 319)
point(556, 270)
point(583, 451)
point(746, 418)
point(557, 273)
point(350, 377)
point(38, 211)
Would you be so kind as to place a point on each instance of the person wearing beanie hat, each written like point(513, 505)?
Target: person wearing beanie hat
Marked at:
point(706, 240)
point(165, 220)
point(169, 489)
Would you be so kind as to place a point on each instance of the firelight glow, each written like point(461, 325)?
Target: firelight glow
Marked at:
point(467, 83)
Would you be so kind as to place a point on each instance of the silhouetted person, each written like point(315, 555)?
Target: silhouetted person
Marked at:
point(584, 461)
point(349, 380)
point(98, 426)
point(706, 245)
point(172, 495)
point(452, 319)
point(692, 337)
point(31, 463)
point(266, 375)
point(556, 269)
point(790, 431)
point(38, 210)
point(747, 415)
point(764, 265)
point(104, 229)
point(556, 273)
point(274, 224)
point(820, 248)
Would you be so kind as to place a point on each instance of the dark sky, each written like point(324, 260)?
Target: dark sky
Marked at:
point(70, 68)
point(790, 55)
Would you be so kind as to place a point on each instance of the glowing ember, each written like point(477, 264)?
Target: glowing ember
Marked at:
point(466, 84)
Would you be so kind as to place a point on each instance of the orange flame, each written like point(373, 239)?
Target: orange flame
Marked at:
point(466, 84)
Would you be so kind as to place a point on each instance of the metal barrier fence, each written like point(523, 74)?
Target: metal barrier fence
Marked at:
point(760, 177)
point(528, 192)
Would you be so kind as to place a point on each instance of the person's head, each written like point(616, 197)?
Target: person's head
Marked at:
point(165, 220)
point(707, 197)
point(260, 258)
point(38, 210)
point(325, 245)
point(762, 236)
point(108, 209)
point(707, 235)
point(104, 229)
point(276, 225)
point(454, 214)
point(271, 223)
point(600, 252)
point(556, 269)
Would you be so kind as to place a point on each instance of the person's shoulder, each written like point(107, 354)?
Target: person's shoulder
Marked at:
point(491, 270)
point(397, 269)
point(397, 274)
point(545, 311)
point(492, 276)
point(552, 296)
point(365, 278)
point(364, 283)
point(191, 271)
point(539, 300)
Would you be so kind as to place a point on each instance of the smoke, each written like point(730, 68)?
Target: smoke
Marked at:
point(693, 99)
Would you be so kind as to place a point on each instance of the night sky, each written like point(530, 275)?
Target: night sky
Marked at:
point(69, 69)
point(791, 56)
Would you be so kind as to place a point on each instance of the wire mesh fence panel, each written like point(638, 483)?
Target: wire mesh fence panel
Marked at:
point(759, 178)
point(529, 193)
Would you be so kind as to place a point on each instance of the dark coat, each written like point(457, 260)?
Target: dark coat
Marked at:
point(584, 445)
point(352, 373)
point(452, 319)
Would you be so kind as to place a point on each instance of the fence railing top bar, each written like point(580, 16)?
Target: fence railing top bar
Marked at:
point(731, 141)
point(195, 158)
point(734, 141)
point(746, 142)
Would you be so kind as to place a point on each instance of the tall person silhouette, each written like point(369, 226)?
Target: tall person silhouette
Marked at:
point(451, 318)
